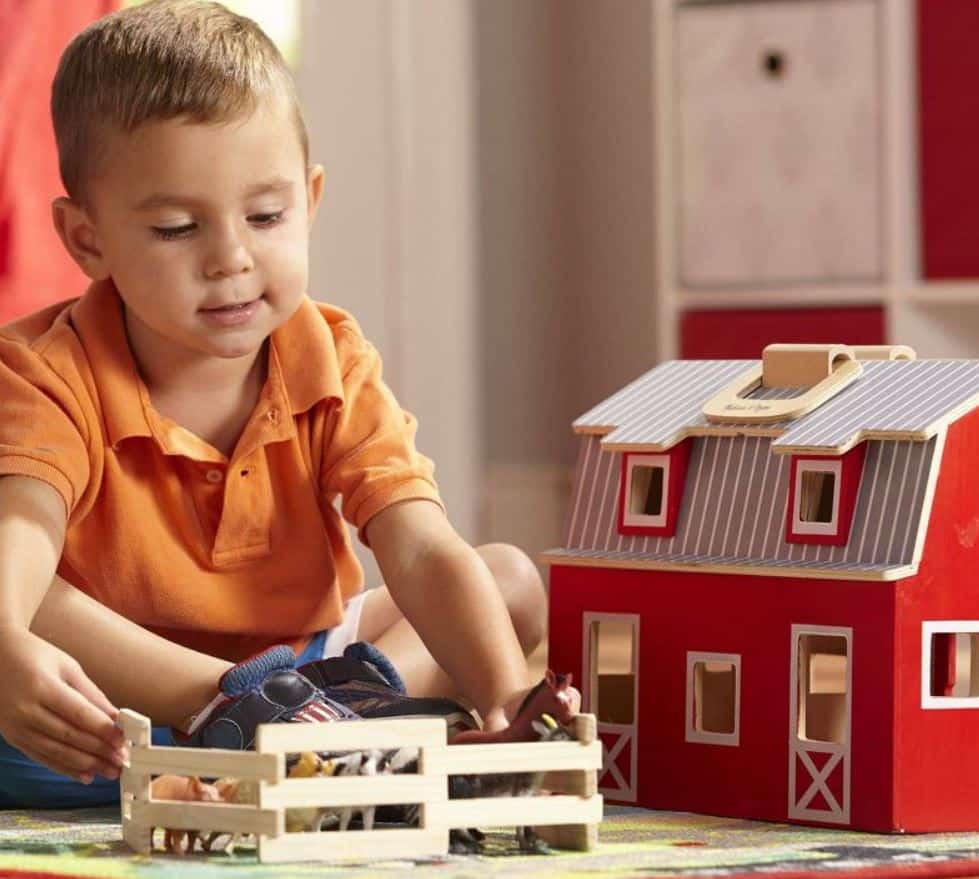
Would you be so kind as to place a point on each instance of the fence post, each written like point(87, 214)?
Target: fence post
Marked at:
point(579, 782)
point(134, 785)
point(280, 813)
point(425, 820)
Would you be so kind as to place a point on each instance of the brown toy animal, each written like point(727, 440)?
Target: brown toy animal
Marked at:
point(179, 787)
point(553, 695)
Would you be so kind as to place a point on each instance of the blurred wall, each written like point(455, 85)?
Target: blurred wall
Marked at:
point(565, 239)
point(387, 88)
point(488, 217)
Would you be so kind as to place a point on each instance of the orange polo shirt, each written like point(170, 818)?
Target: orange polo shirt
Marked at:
point(224, 556)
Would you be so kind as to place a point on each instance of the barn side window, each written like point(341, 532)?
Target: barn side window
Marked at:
point(950, 664)
point(823, 497)
point(713, 704)
point(823, 683)
point(646, 483)
point(817, 497)
point(650, 491)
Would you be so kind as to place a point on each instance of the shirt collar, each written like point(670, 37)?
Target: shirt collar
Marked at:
point(307, 359)
point(302, 363)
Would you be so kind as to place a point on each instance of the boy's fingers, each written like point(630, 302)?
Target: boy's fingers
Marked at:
point(61, 757)
point(84, 684)
point(73, 707)
point(51, 763)
point(60, 730)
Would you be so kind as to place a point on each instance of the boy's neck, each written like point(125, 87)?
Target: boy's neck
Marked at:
point(213, 397)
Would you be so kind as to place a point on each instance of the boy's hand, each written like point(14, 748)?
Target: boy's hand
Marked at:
point(53, 712)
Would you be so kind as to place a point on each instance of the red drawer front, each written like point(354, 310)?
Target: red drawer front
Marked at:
point(949, 130)
point(736, 335)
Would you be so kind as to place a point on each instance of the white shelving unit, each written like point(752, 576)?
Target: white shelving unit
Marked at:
point(734, 41)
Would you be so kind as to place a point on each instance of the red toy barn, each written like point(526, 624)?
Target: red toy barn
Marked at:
point(770, 586)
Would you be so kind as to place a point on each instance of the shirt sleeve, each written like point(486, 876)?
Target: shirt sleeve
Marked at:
point(42, 425)
point(370, 458)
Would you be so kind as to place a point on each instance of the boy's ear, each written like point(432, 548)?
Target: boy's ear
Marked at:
point(314, 191)
point(77, 233)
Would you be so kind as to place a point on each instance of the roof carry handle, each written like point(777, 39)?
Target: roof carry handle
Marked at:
point(822, 370)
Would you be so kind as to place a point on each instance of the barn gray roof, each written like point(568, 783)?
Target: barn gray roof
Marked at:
point(892, 399)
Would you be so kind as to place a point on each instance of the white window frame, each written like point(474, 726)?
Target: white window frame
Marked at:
point(732, 739)
point(943, 627)
point(641, 520)
point(826, 529)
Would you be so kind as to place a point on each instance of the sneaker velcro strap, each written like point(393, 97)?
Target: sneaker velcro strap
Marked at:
point(339, 670)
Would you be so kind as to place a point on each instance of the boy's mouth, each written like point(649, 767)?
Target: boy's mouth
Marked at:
point(232, 306)
point(232, 314)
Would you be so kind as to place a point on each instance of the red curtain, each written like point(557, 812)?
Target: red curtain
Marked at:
point(35, 270)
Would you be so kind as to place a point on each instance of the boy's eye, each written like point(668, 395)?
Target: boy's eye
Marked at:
point(168, 233)
point(265, 219)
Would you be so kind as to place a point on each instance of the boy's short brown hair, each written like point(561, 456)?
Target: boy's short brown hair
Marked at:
point(161, 60)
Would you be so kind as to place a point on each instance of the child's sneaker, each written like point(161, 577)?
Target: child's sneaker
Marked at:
point(263, 689)
point(366, 682)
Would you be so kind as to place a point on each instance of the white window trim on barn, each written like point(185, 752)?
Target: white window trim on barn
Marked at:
point(732, 739)
point(942, 627)
point(639, 519)
point(827, 529)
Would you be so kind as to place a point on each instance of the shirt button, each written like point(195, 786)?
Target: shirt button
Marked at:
point(214, 476)
point(274, 416)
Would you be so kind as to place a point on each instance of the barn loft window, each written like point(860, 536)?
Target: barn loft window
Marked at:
point(713, 701)
point(817, 497)
point(823, 683)
point(650, 491)
point(822, 497)
point(950, 664)
point(646, 482)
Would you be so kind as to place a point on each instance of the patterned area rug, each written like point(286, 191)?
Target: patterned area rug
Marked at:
point(633, 843)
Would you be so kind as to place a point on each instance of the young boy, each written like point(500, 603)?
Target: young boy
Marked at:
point(171, 443)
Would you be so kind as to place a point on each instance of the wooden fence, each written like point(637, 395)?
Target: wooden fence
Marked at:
point(567, 817)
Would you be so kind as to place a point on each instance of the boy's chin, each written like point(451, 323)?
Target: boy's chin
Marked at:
point(236, 347)
point(236, 352)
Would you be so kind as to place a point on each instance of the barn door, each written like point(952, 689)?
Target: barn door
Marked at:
point(611, 693)
point(820, 709)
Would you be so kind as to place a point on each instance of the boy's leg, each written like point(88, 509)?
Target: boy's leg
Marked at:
point(127, 662)
point(383, 624)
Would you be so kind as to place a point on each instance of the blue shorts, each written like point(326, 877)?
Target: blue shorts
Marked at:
point(27, 784)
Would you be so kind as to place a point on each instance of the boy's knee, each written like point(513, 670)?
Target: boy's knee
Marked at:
point(522, 589)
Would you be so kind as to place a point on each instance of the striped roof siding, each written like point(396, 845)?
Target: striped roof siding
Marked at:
point(734, 503)
point(894, 396)
point(676, 390)
point(897, 397)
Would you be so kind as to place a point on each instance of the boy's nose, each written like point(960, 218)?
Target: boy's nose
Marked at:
point(228, 257)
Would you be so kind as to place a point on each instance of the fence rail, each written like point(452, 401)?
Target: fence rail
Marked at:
point(568, 818)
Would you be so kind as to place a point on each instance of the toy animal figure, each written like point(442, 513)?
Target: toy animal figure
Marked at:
point(245, 792)
point(552, 695)
point(505, 784)
point(178, 787)
point(238, 792)
point(311, 819)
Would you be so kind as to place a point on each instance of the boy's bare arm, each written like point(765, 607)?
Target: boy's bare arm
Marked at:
point(448, 594)
point(49, 708)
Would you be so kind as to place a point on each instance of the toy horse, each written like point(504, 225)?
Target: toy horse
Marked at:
point(552, 695)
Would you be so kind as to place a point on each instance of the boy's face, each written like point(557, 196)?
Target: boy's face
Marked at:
point(203, 228)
